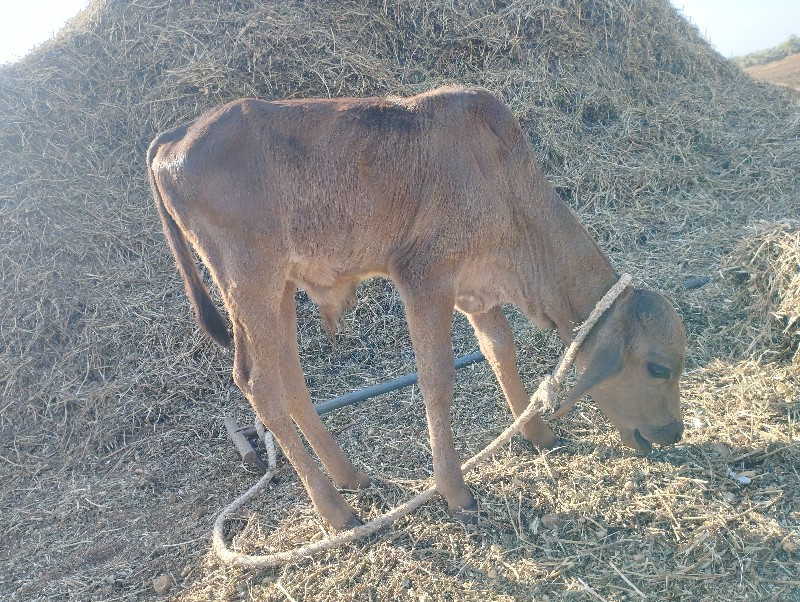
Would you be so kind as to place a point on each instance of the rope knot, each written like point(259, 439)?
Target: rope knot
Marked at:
point(546, 394)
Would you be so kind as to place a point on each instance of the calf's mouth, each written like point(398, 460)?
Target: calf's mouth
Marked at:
point(642, 444)
point(665, 436)
point(634, 439)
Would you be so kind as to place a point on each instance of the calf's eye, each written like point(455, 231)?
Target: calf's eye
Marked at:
point(657, 370)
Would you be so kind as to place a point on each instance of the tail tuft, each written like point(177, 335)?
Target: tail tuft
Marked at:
point(210, 320)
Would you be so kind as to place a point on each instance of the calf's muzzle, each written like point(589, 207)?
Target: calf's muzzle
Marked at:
point(666, 435)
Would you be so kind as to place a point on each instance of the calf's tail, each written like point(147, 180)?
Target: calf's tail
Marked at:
point(206, 312)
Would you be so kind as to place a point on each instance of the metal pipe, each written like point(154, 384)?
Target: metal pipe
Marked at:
point(392, 385)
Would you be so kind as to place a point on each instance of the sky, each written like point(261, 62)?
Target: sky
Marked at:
point(734, 27)
point(26, 23)
point(737, 27)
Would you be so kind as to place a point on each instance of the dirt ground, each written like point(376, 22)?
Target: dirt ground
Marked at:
point(113, 456)
point(785, 72)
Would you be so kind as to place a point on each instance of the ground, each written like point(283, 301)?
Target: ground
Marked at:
point(784, 72)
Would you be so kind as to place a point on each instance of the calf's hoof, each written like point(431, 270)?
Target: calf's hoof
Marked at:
point(359, 480)
point(468, 513)
point(337, 512)
point(350, 522)
point(541, 436)
point(354, 522)
point(362, 480)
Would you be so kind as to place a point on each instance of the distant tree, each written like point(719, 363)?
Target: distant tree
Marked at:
point(790, 46)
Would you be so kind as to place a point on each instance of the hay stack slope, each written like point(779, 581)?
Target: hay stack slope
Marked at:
point(113, 454)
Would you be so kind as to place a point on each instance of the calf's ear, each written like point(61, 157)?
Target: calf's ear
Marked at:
point(604, 362)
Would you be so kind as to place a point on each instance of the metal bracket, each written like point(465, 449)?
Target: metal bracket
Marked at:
point(241, 438)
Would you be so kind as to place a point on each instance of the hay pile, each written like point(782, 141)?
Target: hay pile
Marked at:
point(768, 265)
point(110, 418)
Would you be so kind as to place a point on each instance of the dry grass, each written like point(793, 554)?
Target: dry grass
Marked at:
point(768, 265)
point(112, 454)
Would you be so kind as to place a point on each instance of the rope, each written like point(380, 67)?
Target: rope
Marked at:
point(545, 396)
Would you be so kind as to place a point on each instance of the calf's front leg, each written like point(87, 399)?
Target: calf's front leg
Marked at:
point(497, 343)
point(429, 321)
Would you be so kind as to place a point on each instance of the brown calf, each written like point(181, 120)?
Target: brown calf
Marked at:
point(439, 192)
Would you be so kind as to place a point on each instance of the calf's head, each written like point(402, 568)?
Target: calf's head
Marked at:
point(631, 365)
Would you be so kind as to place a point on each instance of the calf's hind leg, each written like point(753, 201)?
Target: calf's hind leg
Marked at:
point(302, 410)
point(257, 374)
